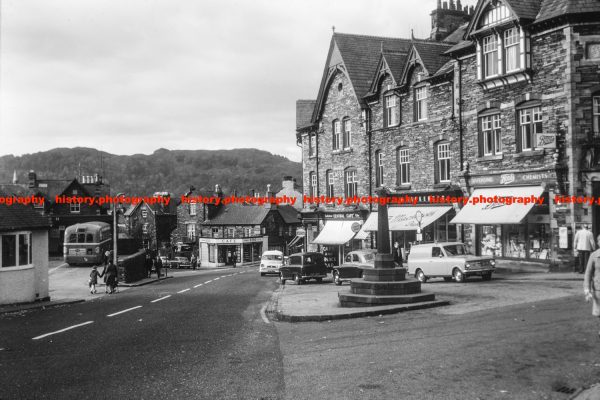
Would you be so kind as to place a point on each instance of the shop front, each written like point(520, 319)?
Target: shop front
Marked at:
point(339, 237)
point(218, 252)
point(510, 222)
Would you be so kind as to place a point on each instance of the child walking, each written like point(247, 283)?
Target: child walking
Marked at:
point(94, 279)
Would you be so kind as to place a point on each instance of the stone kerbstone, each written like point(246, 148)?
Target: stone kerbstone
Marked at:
point(387, 274)
point(363, 300)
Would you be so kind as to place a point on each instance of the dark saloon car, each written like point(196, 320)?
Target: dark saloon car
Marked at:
point(353, 265)
point(301, 267)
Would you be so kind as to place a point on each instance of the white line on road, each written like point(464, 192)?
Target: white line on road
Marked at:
point(62, 330)
point(200, 284)
point(162, 298)
point(263, 315)
point(124, 311)
point(216, 279)
point(184, 290)
point(55, 268)
point(208, 281)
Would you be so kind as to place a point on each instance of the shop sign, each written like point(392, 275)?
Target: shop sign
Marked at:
point(342, 215)
point(513, 178)
point(355, 227)
point(563, 237)
point(545, 141)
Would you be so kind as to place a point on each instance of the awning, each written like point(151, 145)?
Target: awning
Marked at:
point(404, 218)
point(361, 235)
point(336, 233)
point(490, 211)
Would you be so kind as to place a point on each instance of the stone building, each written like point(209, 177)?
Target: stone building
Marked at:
point(503, 99)
point(151, 225)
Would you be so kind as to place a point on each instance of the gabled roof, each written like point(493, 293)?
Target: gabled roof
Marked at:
point(431, 54)
point(555, 8)
point(239, 214)
point(17, 216)
point(304, 112)
point(523, 10)
point(289, 214)
point(359, 56)
point(390, 64)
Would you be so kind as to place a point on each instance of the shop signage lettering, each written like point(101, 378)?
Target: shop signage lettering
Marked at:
point(546, 141)
point(506, 179)
point(512, 178)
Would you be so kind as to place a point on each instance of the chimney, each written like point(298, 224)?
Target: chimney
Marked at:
point(452, 7)
point(212, 209)
point(269, 195)
point(32, 179)
point(458, 5)
point(446, 20)
point(288, 183)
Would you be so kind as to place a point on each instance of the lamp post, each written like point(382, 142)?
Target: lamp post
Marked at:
point(115, 230)
point(419, 218)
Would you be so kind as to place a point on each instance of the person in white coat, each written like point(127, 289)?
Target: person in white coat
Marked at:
point(583, 243)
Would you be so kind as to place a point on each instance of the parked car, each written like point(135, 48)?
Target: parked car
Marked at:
point(182, 262)
point(300, 267)
point(353, 265)
point(270, 262)
point(165, 261)
point(448, 260)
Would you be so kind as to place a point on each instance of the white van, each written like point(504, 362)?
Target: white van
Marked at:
point(270, 262)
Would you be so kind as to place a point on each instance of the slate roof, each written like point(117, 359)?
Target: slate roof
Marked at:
point(18, 216)
point(289, 214)
point(457, 35)
point(526, 9)
point(554, 8)
point(431, 54)
point(361, 54)
point(396, 63)
point(239, 214)
point(304, 111)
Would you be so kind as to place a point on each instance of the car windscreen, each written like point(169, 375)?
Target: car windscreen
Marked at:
point(313, 259)
point(456, 250)
point(369, 256)
point(275, 257)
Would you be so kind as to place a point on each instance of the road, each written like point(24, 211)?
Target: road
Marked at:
point(208, 342)
point(203, 336)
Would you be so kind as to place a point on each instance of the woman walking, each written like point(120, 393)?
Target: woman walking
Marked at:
point(591, 281)
point(111, 277)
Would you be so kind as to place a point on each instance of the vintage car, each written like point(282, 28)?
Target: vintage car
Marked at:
point(270, 262)
point(353, 265)
point(448, 260)
point(301, 267)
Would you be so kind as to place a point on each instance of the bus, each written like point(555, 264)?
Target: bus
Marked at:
point(86, 243)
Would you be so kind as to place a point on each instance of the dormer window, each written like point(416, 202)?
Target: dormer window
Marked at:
point(495, 15)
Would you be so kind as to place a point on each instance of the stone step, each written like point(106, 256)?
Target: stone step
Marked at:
point(365, 300)
point(384, 275)
point(409, 286)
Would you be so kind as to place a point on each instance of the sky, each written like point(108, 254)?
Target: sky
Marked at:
point(133, 76)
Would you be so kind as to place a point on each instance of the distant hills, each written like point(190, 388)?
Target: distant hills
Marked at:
point(164, 170)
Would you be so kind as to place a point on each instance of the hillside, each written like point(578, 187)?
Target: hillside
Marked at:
point(164, 170)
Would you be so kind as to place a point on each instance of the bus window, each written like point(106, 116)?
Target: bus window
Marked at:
point(89, 238)
point(72, 238)
point(81, 238)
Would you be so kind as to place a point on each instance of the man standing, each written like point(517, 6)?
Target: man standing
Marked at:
point(583, 244)
point(397, 254)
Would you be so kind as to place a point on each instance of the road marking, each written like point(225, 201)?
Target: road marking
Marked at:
point(216, 279)
point(62, 330)
point(162, 298)
point(263, 315)
point(184, 290)
point(124, 311)
point(55, 268)
point(208, 281)
point(199, 285)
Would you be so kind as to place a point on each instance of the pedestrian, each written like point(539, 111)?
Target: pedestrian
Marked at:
point(233, 258)
point(148, 265)
point(93, 279)
point(158, 266)
point(193, 261)
point(583, 244)
point(591, 281)
point(398, 254)
point(111, 277)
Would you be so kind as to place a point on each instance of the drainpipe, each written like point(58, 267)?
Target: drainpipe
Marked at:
point(460, 134)
point(369, 135)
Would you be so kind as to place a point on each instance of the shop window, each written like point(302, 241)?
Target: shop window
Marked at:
point(379, 171)
point(403, 166)
point(347, 133)
point(351, 182)
point(596, 115)
point(442, 162)
point(530, 125)
point(491, 240)
point(211, 253)
point(490, 135)
point(329, 177)
point(337, 135)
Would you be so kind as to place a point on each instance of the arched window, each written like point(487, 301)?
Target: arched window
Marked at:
point(337, 135)
point(402, 166)
point(442, 157)
point(379, 170)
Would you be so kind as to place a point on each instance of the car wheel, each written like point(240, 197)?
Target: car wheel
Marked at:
point(281, 278)
point(420, 275)
point(298, 280)
point(458, 275)
point(486, 276)
point(336, 278)
point(448, 278)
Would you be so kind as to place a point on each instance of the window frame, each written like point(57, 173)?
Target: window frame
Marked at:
point(529, 126)
point(391, 110)
point(329, 182)
point(403, 166)
point(494, 55)
point(312, 183)
point(490, 134)
point(596, 115)
point(347, 133)
point(336, 135)
point(509, 51)
point(75, 208)
point(442, 164)
point(379, 171)
point(312, 142)
point(351, 186)
point(18, 250)
point(193, 208)
point(421, 106)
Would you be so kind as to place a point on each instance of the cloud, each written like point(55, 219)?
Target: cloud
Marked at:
point(132, 76)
